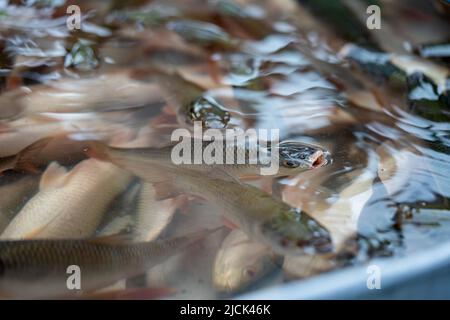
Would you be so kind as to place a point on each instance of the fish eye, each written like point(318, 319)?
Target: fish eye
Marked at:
point(290, 164)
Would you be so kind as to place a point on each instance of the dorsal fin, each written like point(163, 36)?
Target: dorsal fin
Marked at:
point(54, 176)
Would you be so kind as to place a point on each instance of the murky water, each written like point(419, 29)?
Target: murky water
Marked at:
point(138, 70)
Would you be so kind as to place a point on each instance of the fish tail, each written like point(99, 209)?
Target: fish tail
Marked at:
point(98, 150)
point(25, 158)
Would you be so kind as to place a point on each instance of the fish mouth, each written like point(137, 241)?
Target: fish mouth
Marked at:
point(319, 159)
point(322, 244)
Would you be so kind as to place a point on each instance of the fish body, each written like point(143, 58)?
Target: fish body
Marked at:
point(69, 204)
point(41, 268)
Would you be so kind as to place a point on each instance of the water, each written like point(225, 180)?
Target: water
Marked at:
point(248, 64)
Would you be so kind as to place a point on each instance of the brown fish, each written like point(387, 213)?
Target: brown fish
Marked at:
point(45, 268)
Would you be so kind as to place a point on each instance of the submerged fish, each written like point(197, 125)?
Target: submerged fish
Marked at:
point(108, 92)
point(69, 204)
point(39, 268)
point(293, 157)
point(283, 228)
point(241, 262)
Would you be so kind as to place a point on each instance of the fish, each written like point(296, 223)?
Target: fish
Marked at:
point(293, 157)
point(262, 217)
point(42, 268)
point(68, 204)
point(241, 262)
point(111, 91)
point(12, 195)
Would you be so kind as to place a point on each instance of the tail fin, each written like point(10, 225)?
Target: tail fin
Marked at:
point(25, 159)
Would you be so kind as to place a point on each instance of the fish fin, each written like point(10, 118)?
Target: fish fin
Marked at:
point(54, 176)
point(133, 294)
point(8, 163)
point(24, 159)
point(118, 238)
point(26, 156)
point(29, 167)
point(97, 150)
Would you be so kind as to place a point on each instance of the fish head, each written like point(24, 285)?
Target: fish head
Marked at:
point(295, 157)
point(293, 232)
point(233, 273)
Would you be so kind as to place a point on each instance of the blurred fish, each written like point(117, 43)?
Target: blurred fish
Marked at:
point(203, 33)
point(285, 229)
point(241, 262)
point(12, 194)
point(39, 154)
point(39, 268)
point(22, 133)
point(69, 204)
point(115, 91)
